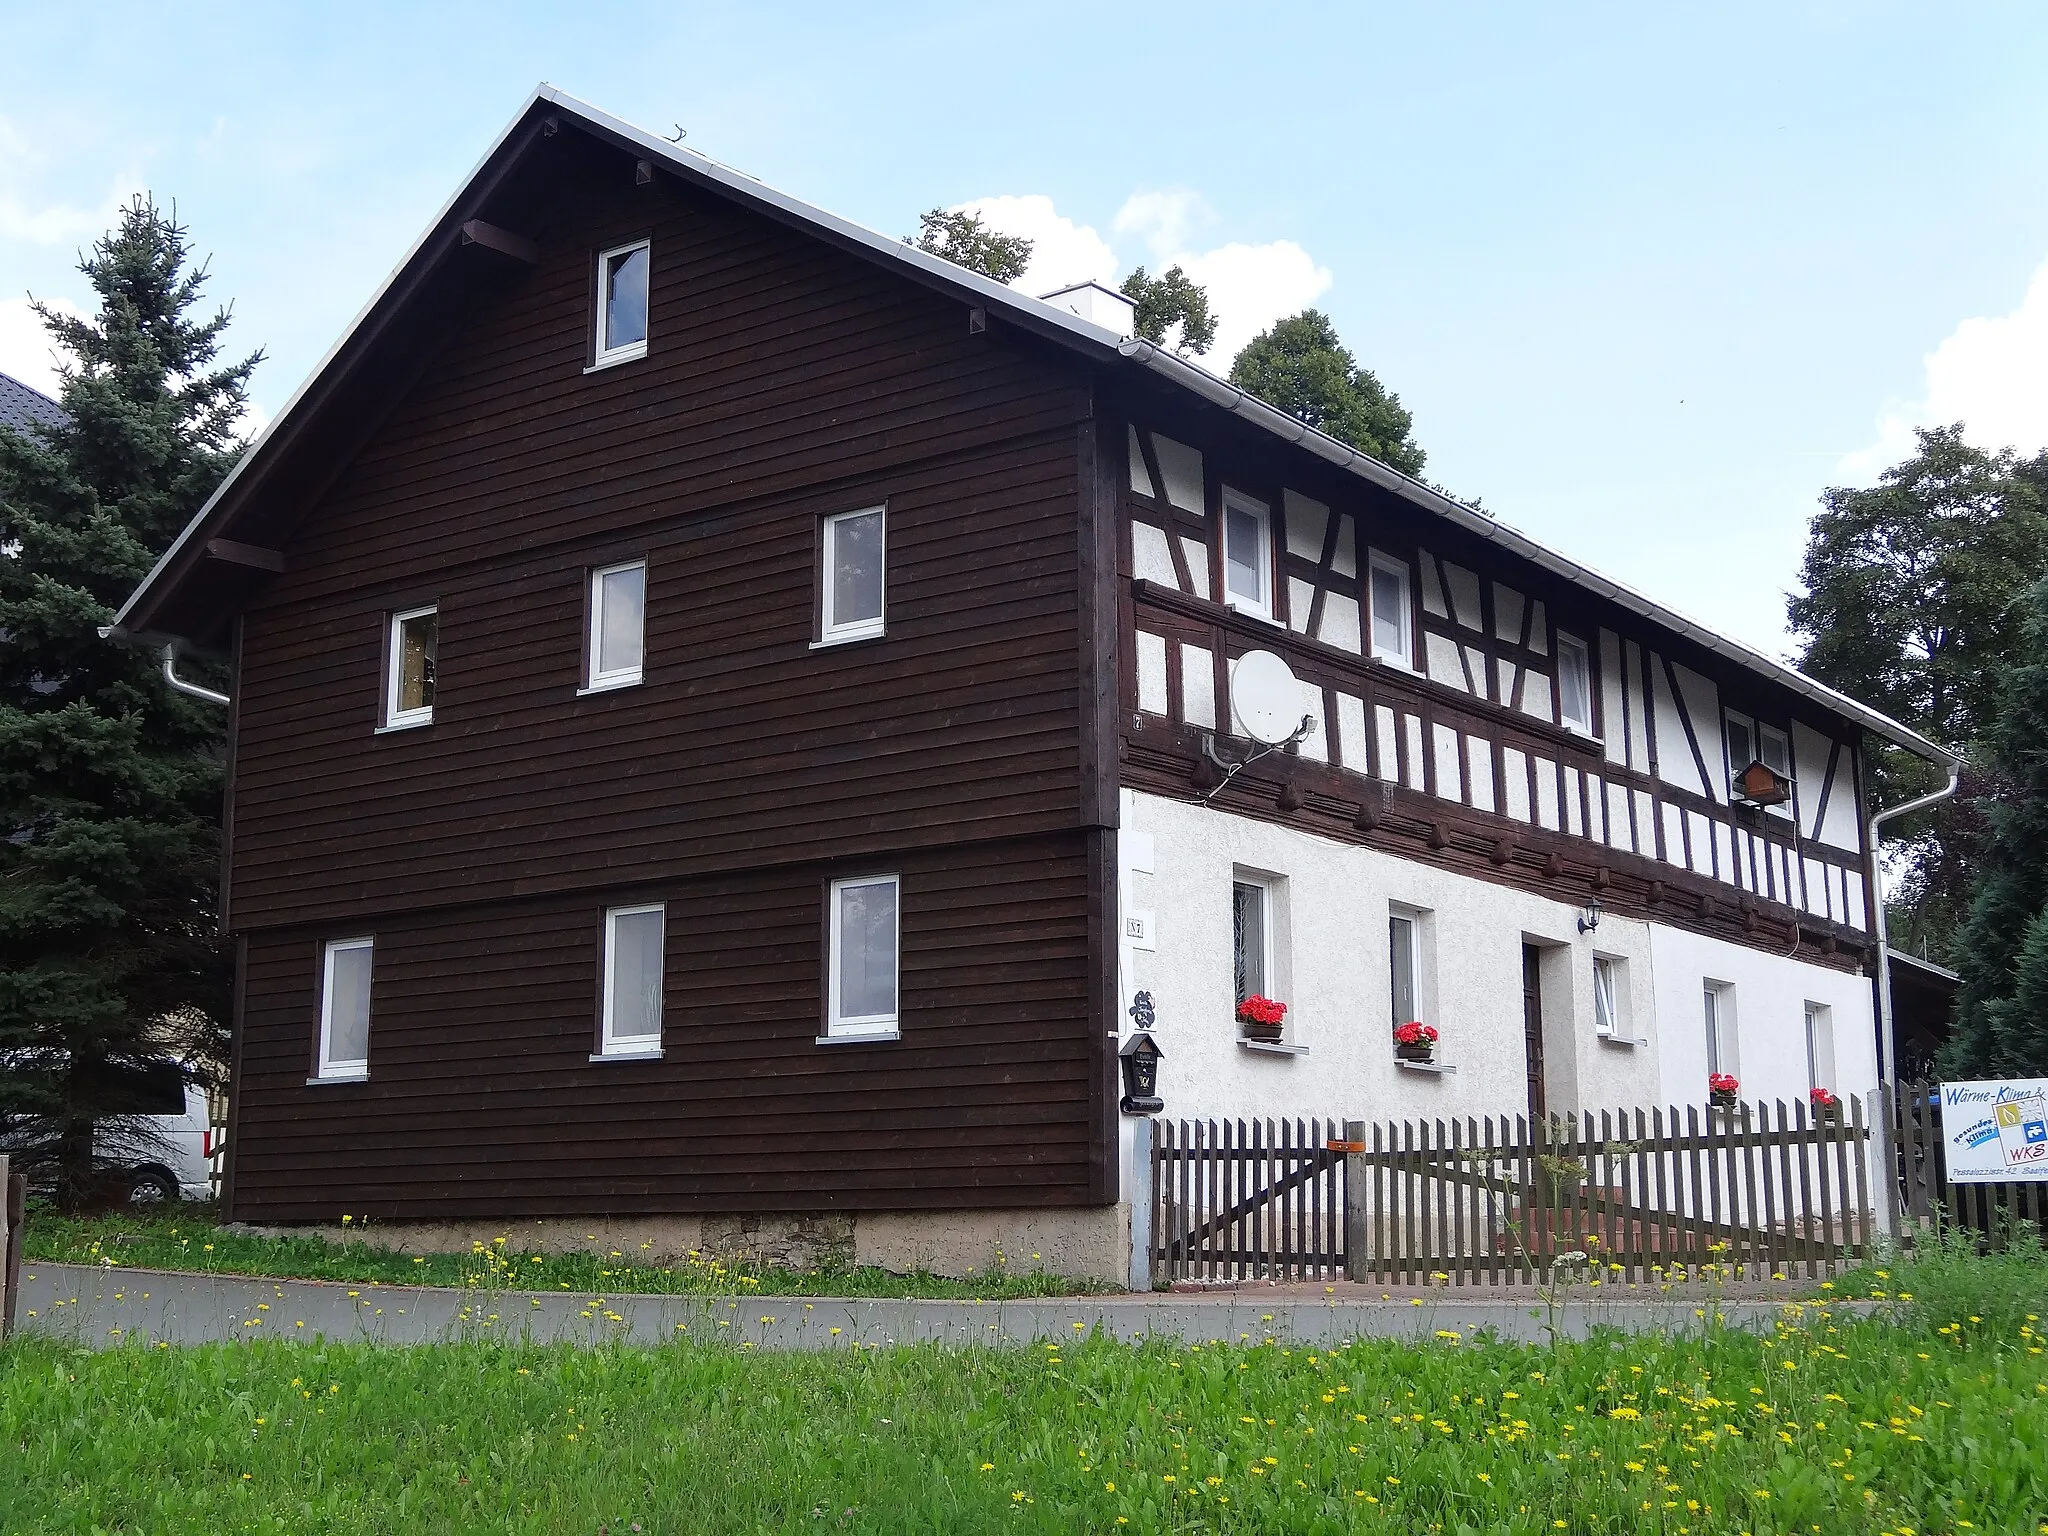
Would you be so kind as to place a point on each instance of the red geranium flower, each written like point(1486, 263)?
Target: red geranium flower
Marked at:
point(1260, 1010)
point(1414, 1032)
point(1722, 1082)
point(1822, 1099)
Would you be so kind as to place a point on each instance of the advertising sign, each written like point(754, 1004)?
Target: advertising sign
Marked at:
point(1996, 1133)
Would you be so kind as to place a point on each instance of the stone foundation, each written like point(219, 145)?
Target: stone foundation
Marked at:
point(1088, 1243)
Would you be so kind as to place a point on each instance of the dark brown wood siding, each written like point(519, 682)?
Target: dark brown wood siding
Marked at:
point(482, 1100)
point(785, 380)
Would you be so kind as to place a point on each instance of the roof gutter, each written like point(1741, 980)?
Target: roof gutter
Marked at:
point(1344, 456)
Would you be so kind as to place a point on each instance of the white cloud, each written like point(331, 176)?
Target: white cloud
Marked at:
point(1062, 252)
point(26, 350)
point(1250, 286)
point(1990, 373)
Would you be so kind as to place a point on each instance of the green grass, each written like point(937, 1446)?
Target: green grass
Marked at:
point(188, 1240)
point(1943, 1277)
point(1832, 1425)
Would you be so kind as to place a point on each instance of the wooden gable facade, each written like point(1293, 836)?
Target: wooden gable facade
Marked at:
point(784, 380)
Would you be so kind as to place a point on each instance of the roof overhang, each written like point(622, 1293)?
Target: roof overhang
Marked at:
point(186, 571)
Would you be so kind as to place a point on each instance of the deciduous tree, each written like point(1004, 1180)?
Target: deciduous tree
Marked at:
point(1172, 304)
point(964, 240)
point(1300, 367)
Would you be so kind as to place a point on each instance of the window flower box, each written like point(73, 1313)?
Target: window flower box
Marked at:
point(1827, 1108)
point(1723, 1090)
point(1261, 1018)
point(1415, 1041)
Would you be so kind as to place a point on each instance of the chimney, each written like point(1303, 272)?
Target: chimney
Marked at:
point(1095, 303)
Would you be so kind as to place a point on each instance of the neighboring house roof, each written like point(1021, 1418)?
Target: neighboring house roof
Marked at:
point(22, 407)
point(141, 614)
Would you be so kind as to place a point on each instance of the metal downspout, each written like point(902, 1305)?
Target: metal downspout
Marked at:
point(1887, 1045)
point(192, 690)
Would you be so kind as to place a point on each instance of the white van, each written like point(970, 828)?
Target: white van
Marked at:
point(165, 1147)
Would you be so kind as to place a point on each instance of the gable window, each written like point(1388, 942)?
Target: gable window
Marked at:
point(1606, 997)
point(1392, 626)
point(345, 1009)
point(618, 621)
point(409, 676)
point(861, 967)
point(1722, 1054)
point(633, 949)
point(621, 305)
point(1750, 741)
point(1574, 684)
point(1820, 1046)
point(1247, 554)
point(1404, 968)
point(853, 568)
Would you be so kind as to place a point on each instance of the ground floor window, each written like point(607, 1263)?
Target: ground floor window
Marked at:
point(1404, 967)
point(861, 971)
point(1722, 1055)
point(1606, 995)
point(1820, 1046)
point(1251, 929)
point(633, 950)
point(345, 1008)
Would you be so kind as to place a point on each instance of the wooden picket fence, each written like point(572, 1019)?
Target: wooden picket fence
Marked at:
point(1927, 1199)
point(1640, 1195)
point(1247, 1200)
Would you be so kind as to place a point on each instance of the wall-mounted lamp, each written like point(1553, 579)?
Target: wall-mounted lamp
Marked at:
point(1589, 918)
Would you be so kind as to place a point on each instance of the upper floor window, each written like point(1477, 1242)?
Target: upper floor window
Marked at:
point(621, 304)
point(633, 966)
point(1392, 625)
point(409, 674)
point(618, 622)
point(1750, 741)
point(1574, 683)
point(1247, 553)
point(852, 569)
point(345, 1008)
point(861, 967)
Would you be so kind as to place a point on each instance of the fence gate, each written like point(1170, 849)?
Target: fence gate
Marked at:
point(1758, 1189)
point(1247, 1200)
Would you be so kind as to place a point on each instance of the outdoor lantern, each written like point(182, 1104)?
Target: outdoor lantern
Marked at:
point(1761, 784)
point(1139, 1057)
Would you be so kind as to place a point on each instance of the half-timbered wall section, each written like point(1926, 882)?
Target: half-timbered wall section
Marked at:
point(1431, 662)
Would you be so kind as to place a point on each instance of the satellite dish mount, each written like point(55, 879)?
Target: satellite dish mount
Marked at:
point(1265, 698)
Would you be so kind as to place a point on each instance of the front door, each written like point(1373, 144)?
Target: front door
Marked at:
point(1532, 1027)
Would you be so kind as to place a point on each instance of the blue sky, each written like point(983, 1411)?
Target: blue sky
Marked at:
point(1647, 281)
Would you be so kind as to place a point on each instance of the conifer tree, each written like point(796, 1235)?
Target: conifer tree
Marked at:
point(2001, 1014)
point(110, 782)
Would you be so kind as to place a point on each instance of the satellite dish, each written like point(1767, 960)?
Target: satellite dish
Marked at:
point(1265, 698)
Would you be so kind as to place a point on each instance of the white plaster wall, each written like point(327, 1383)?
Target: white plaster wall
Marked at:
point(1770, 994)
point(1332, 967)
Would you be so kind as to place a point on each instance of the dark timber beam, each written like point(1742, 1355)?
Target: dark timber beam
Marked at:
point(252, 555)
point(503, 241)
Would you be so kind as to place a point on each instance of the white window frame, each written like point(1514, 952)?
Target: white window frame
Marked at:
point(330, 1070)
point(1765, 736)
point(875, 1026)
point(830, 630)
point(396, 719)
point(1398, 569)
point(595, 680)
point(1260, 513)
point(1412, 919)
point(1823, 1014)
point(1569, 645)
point(603, 355)
point(1268, 953)
point(613, 1047)
point(1611, 992)
point(1722, 1022)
